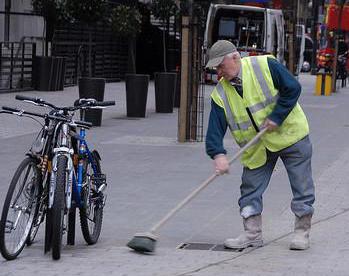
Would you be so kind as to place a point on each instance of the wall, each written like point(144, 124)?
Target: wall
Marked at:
point(21, 25)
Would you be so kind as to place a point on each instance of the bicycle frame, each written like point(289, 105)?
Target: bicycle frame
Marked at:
point(59, 156)
point(75, 177)
point(63, 149)
point(83, 151)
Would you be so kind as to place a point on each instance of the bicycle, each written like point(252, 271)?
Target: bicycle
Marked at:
point(65, 177)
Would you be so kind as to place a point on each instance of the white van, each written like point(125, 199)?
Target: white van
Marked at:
point(253, 30)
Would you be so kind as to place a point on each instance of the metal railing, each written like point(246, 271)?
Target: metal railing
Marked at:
point(108, 52)
point(16, 63)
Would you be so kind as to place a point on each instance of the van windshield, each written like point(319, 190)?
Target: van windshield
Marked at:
point(244, 28)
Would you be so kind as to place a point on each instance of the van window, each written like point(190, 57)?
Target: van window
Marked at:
point(275, 38)
point(226, 27)
point(244, 28)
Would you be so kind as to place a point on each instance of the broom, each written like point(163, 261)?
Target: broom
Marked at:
point(145, 242)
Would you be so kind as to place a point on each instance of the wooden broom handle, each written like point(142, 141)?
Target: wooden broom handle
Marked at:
point(205, 183)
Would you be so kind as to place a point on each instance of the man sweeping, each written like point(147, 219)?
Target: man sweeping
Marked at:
point(253, 93)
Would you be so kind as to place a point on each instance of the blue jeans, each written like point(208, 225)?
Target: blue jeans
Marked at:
point(297, 161)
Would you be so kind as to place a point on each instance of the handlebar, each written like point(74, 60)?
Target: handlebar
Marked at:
point(6, 108)
point(91, 103)
point(25, 98)
point(12, 110)
point(78, 104)
point(105, 103)
point(83, 123)
point(37, 101)
point(77, 122)
point(15, 110)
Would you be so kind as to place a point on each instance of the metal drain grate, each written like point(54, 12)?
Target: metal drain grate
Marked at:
point(206, 246)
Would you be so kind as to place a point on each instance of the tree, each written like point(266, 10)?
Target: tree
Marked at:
point(163, 10)
point(126, 22)
point(52, 11)
point(86, 12)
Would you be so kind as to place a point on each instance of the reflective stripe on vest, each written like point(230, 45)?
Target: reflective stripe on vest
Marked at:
point(269, 98)
point(233, 126)
point(258, 90)
point(231, 122)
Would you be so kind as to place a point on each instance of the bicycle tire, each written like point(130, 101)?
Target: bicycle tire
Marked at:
point(95, 206)
point(33, 231)
point(37, 220)
point(28, 189)
point(48, 231)
point(58, 207)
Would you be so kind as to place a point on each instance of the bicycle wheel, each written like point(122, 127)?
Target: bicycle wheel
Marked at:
point(33, 231)
point(91, 214)
point(19, 208)
point(39, 216)
point(57, 210)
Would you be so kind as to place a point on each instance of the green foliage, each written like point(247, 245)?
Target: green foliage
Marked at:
point(126, 20)
point(184, 7)
point(50, 9)
point(163, 9)
point(41, 6)
point(86, 11)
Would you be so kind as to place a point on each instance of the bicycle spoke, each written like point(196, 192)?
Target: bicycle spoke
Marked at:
point(91, 214)
point(22, 185)
point(19, 213)
point(26, 203)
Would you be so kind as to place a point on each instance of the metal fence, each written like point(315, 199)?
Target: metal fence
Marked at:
point(108, 52)
point(196, 111)
point(16, 62)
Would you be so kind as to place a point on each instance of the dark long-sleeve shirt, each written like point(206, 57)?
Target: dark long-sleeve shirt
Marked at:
point(289, 91)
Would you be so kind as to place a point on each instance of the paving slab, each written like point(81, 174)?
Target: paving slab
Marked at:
point(149, 172)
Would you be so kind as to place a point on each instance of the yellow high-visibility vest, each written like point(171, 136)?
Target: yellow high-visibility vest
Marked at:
point(259, 96)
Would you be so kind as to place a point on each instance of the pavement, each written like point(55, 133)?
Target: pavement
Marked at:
point(149, 172)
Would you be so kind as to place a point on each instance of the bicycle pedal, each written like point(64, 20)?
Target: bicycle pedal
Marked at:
point(102, 188)
point(99, 179)
point(99, 198)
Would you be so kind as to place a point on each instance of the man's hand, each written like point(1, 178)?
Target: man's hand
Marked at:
point(221, 164)
point(269, 124)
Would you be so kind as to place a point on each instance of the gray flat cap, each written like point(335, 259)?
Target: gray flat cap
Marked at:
point(218, 51)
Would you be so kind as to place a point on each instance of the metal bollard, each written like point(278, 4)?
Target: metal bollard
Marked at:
point(323, 84)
